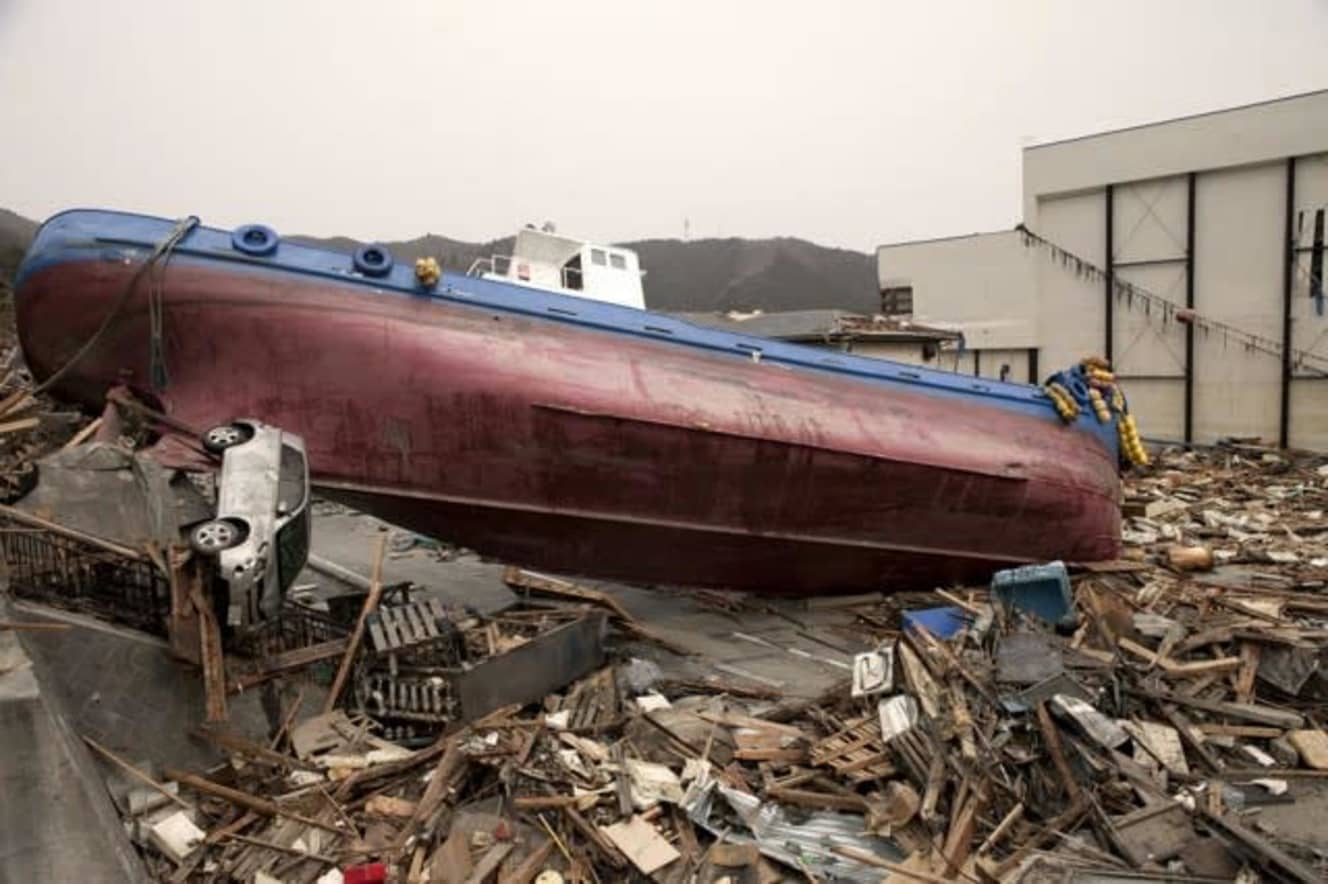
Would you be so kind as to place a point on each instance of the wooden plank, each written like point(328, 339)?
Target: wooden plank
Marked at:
point(1249, 668)
point(489, 863)
point(1243, 711)
point(642, 843)
point(1312, 746)
point(134, 772)
point(35, 625)
point(1251, 731)
point(818, 800)
point(244, 799)
point(542, 583)
point(525, 871)
point(17, 515)
point(1057, 752)
point(353, 645)
point(83, 435)
point(18, 426)
point(209, 642)
point(287, 661)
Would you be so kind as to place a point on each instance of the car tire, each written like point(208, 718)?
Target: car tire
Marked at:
point(218, 439)
point(214, 537)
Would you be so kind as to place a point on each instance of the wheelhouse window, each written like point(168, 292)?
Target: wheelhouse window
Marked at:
point(597, 257)
point(617, 261)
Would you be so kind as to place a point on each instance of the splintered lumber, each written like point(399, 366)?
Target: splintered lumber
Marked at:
point(35, 625)
point(244, 799)
point(1057, 752)
point(1231, 830)
point(17, 426)
point(1245, 711)
point(1181, 670)
point(453, 761)
point(209, 637)
point(353, 645)
point(298, 658)
point(543, 584)
point(256, 751)
point(489, 863)
point(83, 435)
point(525, 871)
point(134, 771)
point(870, 859)
point(20, 516)
point(281, 848)
point(601, 842)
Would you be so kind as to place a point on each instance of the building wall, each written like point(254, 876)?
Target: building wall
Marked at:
point(1258, 133)
point(1235, 163)
point(983, 283)
point(1239, 260)
point(909, 352)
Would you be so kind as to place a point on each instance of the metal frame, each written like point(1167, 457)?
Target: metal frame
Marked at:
point(1110, 275)
point(1288, 272)
point(1189, 305)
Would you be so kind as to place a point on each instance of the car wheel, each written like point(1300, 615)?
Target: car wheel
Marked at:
point(214, 537)
point(218, 439)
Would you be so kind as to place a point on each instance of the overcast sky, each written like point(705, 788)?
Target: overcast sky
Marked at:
point(847, 123)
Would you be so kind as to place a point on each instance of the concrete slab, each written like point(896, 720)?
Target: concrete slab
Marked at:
point(785, 658)
point(124, 689)
point(57, 822)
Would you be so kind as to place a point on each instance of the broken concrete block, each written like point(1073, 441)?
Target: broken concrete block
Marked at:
point(176, 836)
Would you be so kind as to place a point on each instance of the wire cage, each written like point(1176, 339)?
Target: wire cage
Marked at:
point(64, 571)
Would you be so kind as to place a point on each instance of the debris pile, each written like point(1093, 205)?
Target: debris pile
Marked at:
point(1160, 717)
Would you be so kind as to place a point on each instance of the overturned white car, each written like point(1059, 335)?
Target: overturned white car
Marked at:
point(260, 534)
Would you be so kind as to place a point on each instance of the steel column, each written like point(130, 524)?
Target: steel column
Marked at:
point(1288, 270)
point(1110, 274)
point(1189, 305)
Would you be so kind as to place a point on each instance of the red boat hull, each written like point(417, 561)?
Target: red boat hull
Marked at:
point(558, 446)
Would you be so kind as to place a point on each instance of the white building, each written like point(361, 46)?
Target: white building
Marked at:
point(1189, 252)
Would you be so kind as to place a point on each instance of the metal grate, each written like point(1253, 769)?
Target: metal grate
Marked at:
point(297, 626)
point(66, 572)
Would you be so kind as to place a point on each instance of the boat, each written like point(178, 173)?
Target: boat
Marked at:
point(565, 428)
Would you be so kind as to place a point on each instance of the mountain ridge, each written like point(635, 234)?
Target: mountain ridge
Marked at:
point(716, 274)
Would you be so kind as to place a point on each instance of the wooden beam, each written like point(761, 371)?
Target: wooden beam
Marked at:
point(353, 645)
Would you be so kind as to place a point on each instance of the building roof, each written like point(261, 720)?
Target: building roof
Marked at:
point(820, 325)
point(1183, 117)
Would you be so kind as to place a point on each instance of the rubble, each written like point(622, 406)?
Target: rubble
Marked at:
point(1159, 717)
